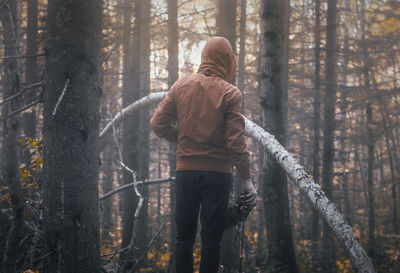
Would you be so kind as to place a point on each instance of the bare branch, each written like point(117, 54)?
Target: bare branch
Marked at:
point(115, 252)
point(147, 182)
point(23, 108)
point(22, 56)
point(147, 248)
point(21, 91)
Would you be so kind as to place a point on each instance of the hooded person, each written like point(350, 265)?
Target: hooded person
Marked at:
point(201, 113)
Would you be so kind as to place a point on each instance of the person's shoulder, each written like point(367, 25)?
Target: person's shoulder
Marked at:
point(232, 91)
point(183, 81)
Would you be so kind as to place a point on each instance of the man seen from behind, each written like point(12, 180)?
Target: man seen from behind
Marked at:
point(201, 113)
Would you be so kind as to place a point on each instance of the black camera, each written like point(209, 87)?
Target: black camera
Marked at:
point(239, 212)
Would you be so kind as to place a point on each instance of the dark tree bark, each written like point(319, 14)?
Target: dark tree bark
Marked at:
point(273, 96)
point(173, 74)
point(261, 249)
point(329, 128)
point(346, 208)
point(370, 139)
point(70, 135)
point(389, 135)
point(130, 93)
point(10, 131)
point(317, 126)
point(144, 128)
point(107, 186)
point(226, 27)
point(242, 47)
point(31, 76)
point(226, 20)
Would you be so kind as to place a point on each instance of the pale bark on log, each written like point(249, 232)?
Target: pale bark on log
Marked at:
point(315, 194)
point(295, 172)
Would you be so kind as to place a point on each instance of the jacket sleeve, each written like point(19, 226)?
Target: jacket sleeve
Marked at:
point(163, 121)
point(234, 133)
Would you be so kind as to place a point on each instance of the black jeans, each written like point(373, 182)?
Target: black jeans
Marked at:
point(209, 190)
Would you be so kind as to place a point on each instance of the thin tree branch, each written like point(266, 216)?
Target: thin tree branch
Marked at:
point(21, 91)
point(147, 248)
point(23, 108)
point(115, 252)
point(22, 56)
point(147, 182)
point(138, 208)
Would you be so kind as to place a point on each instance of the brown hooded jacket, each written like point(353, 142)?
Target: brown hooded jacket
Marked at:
point(202, 114)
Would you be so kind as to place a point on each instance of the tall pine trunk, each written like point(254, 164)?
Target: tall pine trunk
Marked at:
point(173, 74)
point(107, 204)
point(130, 138)
point(242, 47)
point(226, 27)
point(329, 128)
point(316, 141)
point(31, 75)
point(144, 128)
point(273, 96)
point(370, 139)
point(10, 130)
point(70, 135)
point(343, 157)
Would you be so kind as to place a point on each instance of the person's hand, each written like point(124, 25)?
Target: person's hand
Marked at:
point(250, 192)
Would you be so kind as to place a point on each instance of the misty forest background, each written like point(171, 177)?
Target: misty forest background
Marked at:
point(322, 76)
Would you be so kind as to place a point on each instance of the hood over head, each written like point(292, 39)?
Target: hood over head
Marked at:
point(218, 59)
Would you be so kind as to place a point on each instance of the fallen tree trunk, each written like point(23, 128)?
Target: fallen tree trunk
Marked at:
point(294, 171)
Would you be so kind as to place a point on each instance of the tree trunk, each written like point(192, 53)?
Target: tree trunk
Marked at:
point(388, 132)
point(131, 138)
point(70, 135)
point(144, 128)
point(226, 20)
point(10, 130)
point(107, 186)
point(343, 108)
point(261, 250)
point(316, 141)
point(226, 27)
point(173, 74)
point(329, 127)
point(273, 96)
point(370, 139)
point(29, 118)
point(242, 47)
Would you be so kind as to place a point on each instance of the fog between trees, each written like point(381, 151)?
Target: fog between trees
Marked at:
point(321, 76)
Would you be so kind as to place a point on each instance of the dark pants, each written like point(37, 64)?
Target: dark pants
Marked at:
point(210, 191)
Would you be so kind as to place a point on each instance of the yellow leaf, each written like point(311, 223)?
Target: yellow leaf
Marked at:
point(390, 25)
